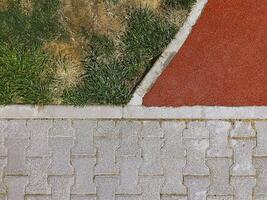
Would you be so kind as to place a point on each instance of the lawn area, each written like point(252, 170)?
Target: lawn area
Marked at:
point(82, 52)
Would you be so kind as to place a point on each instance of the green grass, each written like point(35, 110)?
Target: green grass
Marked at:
point(112, 69)
point(112, 80)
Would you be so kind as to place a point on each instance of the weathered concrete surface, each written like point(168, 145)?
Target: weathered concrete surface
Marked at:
point(133, 160)
point(222, 63)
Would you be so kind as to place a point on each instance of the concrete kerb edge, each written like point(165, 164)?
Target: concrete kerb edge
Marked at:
point(132, 112)
point(168, 54)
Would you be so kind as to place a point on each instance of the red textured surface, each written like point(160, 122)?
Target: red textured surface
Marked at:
point(223, 62)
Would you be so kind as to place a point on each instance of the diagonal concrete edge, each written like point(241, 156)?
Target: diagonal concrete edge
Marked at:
point(168, 54)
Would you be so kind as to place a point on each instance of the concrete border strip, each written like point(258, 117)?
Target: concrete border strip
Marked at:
point(168, 54)
point(132, 112)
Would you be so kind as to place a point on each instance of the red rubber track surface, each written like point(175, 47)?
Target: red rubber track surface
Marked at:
point(223, 62)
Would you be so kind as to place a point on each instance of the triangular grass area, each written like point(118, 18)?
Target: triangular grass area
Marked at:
point(82, 51)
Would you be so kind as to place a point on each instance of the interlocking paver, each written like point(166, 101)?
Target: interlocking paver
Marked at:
point(106, 187)
point(128, 197)
point(16, 164)
point(130, 144)
point(261, 168)
point(243, 187)
point(151, 153)
point(219, 176)
point(3, 162)
point(107, 128)
point(196, 142)
point(106, 157)
point(37, 170)
point(220, 198)
point(151, 187)
point(60, 148)
point(62, 128)
point(152, 129)
point(129, 180)
point(173, 197)
point(197, 187)
point(219, 133)
point(39, 137)
point(3, 126)
point(17, 128)
point(16, 187)
point(38, 197)
point(84, 175)
point(61, 186)
point(261, 149)
point(243, 130)
point(84, 133)
point(243, 157)
point(78, 197)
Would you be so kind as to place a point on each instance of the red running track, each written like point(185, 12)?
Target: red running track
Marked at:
point(223, 62)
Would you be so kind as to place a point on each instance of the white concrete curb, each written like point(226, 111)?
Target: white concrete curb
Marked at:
point(168, 54)
point(132, 112)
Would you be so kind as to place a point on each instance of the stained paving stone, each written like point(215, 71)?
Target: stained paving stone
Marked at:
point(151, 187)
point(84, 175)
point(60, 148)
point(16, 187)
point(242, 130)
point(84, 135)
point(219, 133)
point(106, 187)
point(243, 150)
point(37, 170)
point(130, 140)
point(261, 149)
point(39, 137)
point(151, 154)
point(16, 163)
point(129, 180)
point(243, 187)
point(219, 176)
point(61, 187)
point(197, 187)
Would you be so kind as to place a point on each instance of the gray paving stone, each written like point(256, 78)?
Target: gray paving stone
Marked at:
point(151, 154)
point(260, 197)
point(196, 130)
point(129, 180)
point(84, 175)
point(196, 151)
point(60, 148)
point(61, 186)
point(242, 130)
point(107, 128)
point(106, 156)
point(130, 144)
point(39, 137)
point(3, 197)
point(219, 176)
point(197, 187)
point(219, 132)
point(261, 168)
point(152, 129)
point(106, 187)
point(243, 187)
point(151, 187)
point(173, 176)
point(16, 128)
point(3, 162)
point(173, 148)
point(16, 187)
point(3, 126)
point(261, 149)
point(87, 197)
point(243, 157)
point(84, 144)
point(16, 164)
point(62, 128)
point(37, 170)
